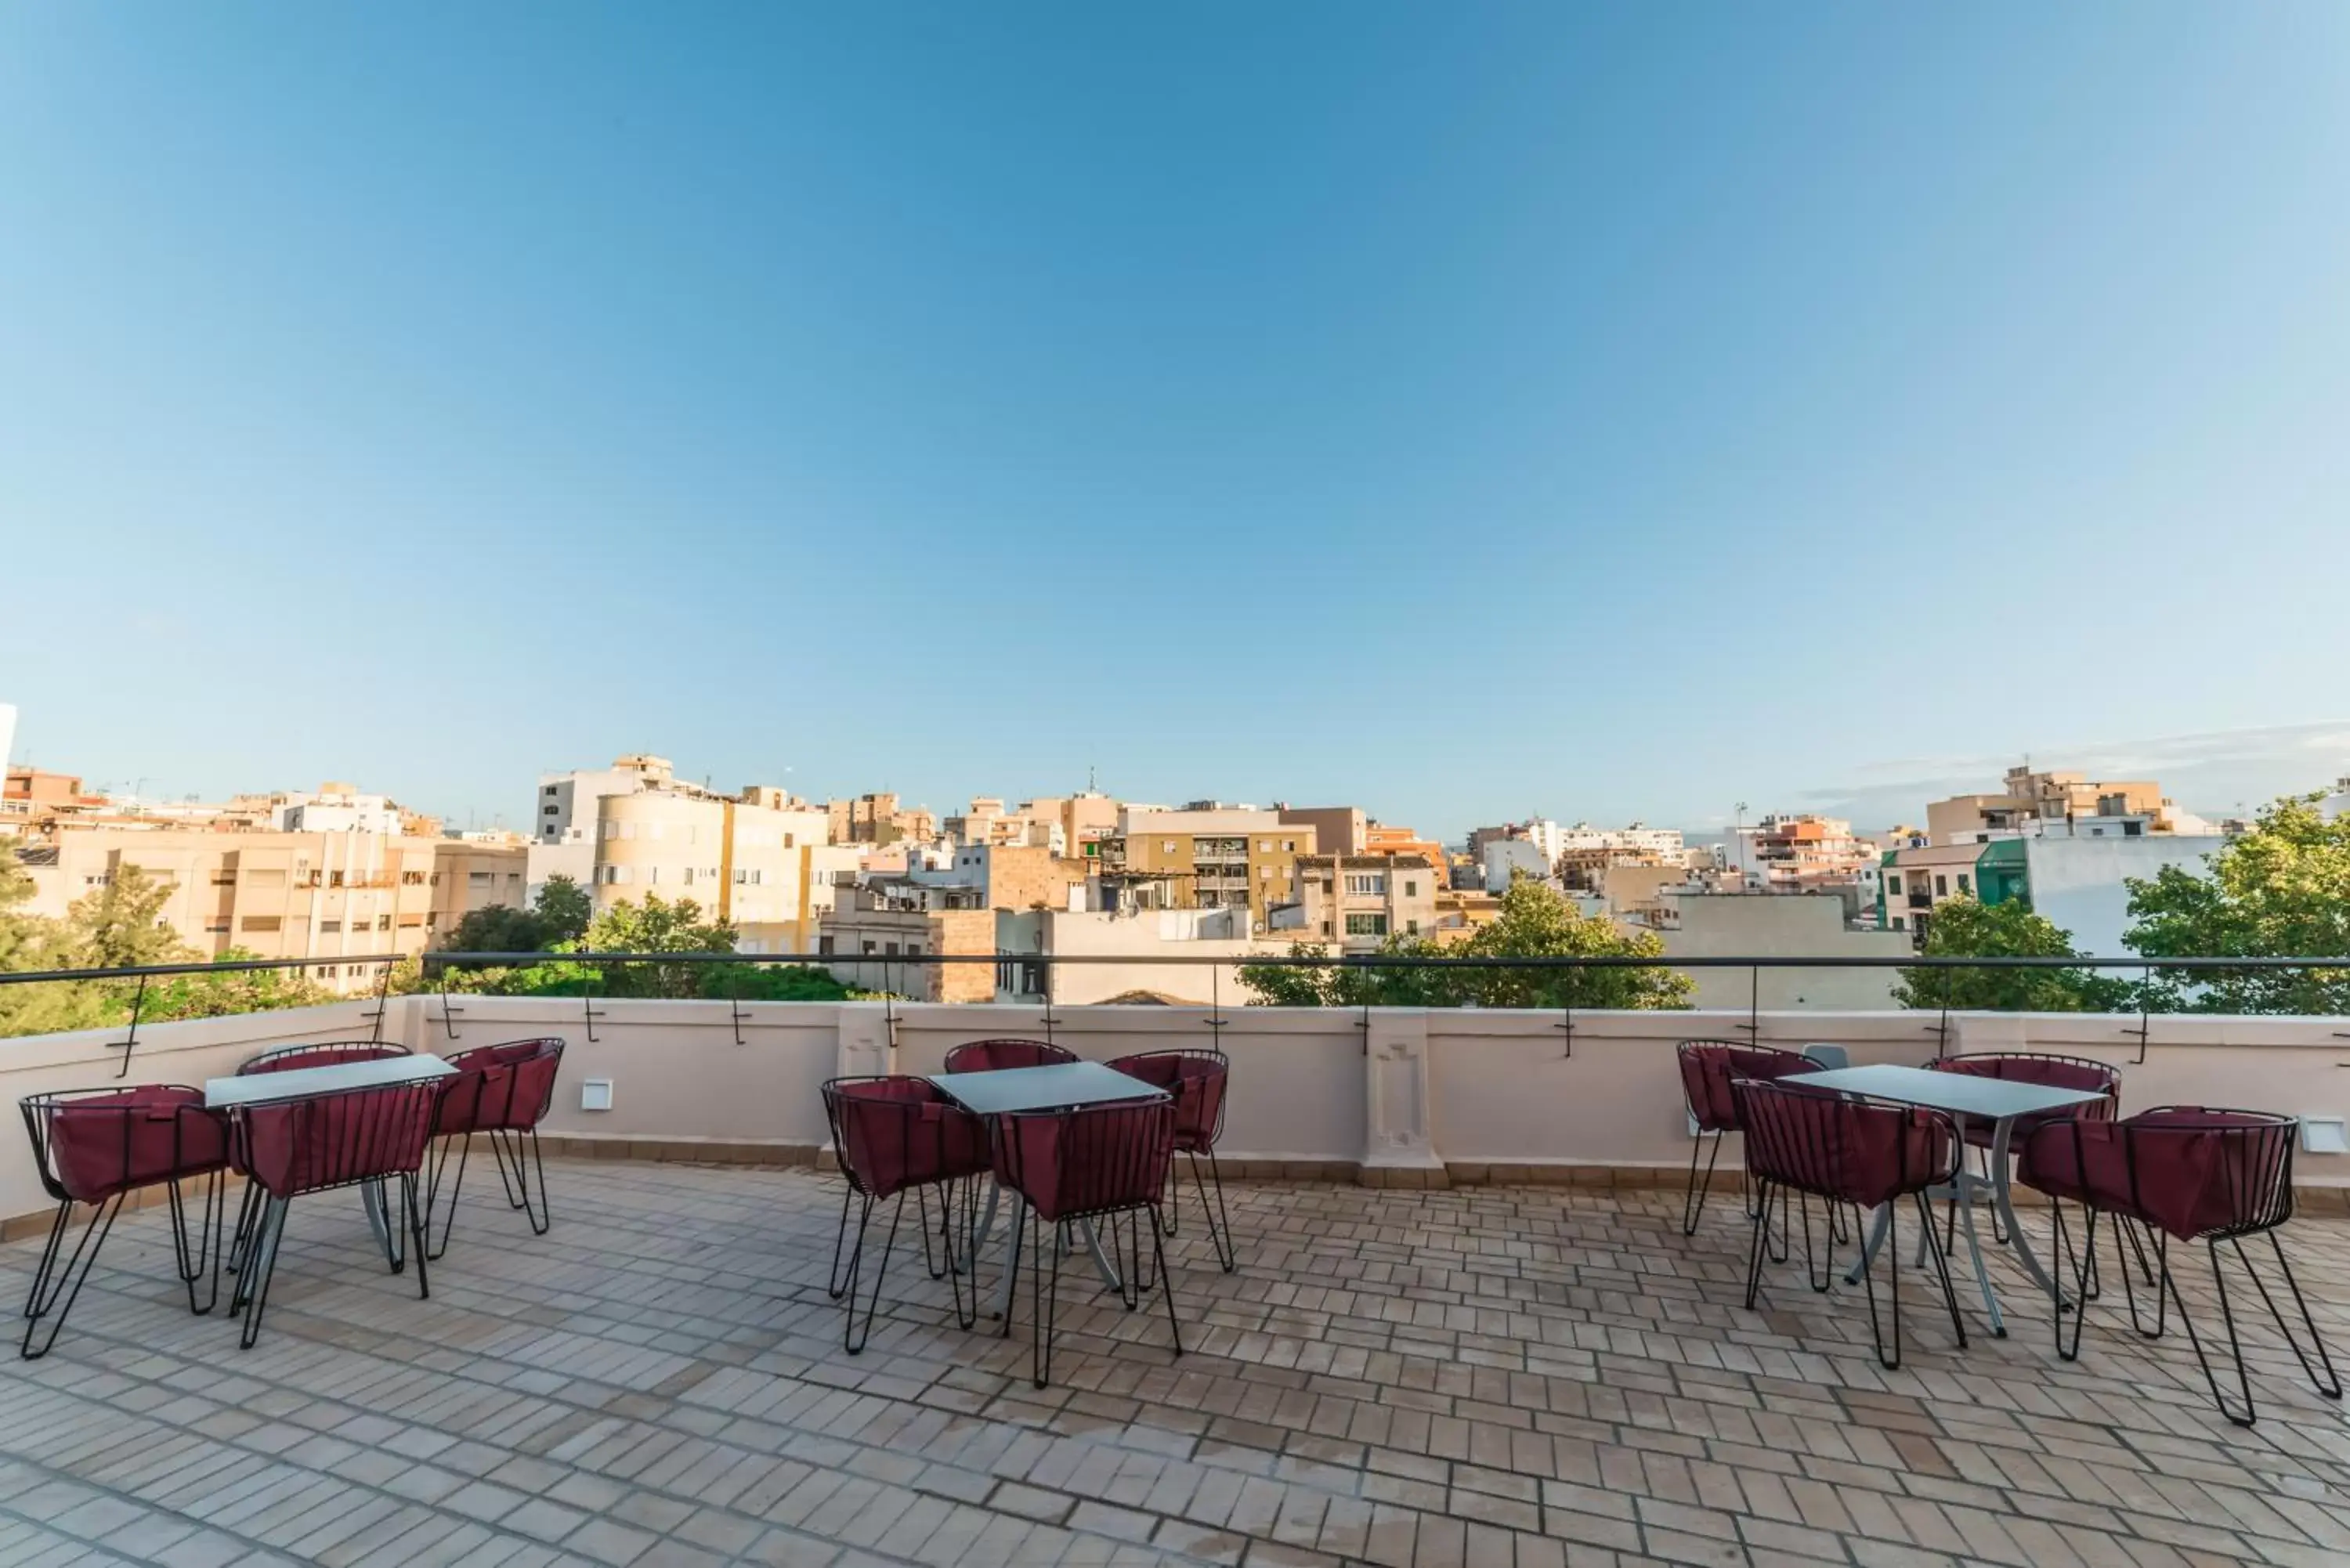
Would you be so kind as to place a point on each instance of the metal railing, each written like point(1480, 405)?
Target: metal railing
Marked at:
point(587, 967)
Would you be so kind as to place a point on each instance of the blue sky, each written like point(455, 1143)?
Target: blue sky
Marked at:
point(1600, 410)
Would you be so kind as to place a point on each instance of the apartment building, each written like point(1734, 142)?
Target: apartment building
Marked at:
point(757, 859)
point(1359, 901)
point(1338, 829)
point(30, 799)
point(877, 818)
point(2063, 803)
point(2076, 874)
point(897, 918)
point(1233, 855)
point(1213, 945)
point(328, 897)
point(1796, 854)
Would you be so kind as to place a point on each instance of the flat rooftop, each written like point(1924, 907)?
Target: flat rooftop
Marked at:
point(1482, 1378)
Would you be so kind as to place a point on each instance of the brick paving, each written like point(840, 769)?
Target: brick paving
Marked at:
point(1490, 1377)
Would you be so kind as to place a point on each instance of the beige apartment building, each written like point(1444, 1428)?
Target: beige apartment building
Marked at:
point(328, 897)
point(1232, 855)
point(878, 818)
point(897, 920)
point(1359, 901)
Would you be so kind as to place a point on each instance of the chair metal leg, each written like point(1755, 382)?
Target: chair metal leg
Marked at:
point(2081, 1268)
point(1011, 1265)
point(1045, 1313)
point(851, 1340)
point(2329, 1386)
point(194, 1257)
point(55, 1289)
point(1220, 1234)
point(416, 1216)
point(2169, 1285)
point(252, 1292)
point(1757, 1245)
point(1693, 1202)
point(248, 1213)
point(1942, 1269)
point(506, 1148)
point(464, 1142)
point(1892, 1250)
point(1159, 1254)
point(835, 1283)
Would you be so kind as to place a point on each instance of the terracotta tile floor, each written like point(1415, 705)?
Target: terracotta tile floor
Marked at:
point(1504, 1376)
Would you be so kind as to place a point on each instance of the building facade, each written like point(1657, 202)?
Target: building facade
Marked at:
point(1233, 856)
point(1359, 901)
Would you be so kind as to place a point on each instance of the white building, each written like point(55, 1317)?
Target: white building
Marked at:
point(334, 808)
point(1506, 859)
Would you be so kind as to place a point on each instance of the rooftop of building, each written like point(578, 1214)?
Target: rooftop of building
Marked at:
point(1535, 1376)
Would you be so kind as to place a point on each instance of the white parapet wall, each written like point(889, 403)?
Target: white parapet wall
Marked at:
point(1399, 1094)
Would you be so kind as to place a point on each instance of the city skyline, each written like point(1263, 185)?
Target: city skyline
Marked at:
point(1600, 412)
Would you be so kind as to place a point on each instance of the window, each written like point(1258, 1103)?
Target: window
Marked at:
point(477, 879)
point(1893, 882)
point(551, 789)
point(334, 878)
point(1367, 925)
point(1264, 846)
point(325, 927)
point(868, 947)
point(1963, 887)
point(824, 944)
point(410, 922)
point(913, 949)
point(1896, 923)
point(1411, 890)
point(383, 922)
point(411, 879)
point(216, 925)
point(1368, 884)
point(265, 878)
point(1288, 846)
point(1167, 845)
point(1411, 928)
point(258, 923)
point(1941, 884)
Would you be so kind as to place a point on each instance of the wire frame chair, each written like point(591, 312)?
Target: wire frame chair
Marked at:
point(294, 1058)
point(351, 1138)
point(1852, 1154)
point(2191, 1174)
point(1707, 1069)
point(894, 1135)
point(1093, 1162)
point(2044, 1068)
point(503, 1092)
point(996, 1055)
point(1197, 1080)
point(95, 1147)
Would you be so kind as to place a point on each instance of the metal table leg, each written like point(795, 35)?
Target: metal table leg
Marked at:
point(1015, 1216)
point(2002, 1194)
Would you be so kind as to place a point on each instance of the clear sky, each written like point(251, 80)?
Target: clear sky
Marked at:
point(1599, 409)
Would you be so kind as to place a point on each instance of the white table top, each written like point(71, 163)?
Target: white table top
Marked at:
point(1049, 1088)
point(300, 1083)
point(1961, 1094)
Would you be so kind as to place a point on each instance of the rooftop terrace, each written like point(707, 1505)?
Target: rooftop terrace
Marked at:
point(1479, 1376)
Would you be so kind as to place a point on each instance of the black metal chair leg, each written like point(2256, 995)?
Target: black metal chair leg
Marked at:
point(253, 1284)
point(415, 1216)
point(1693, 1200)
point(1044, 1317)
point(851, 1340)
point(194, 1257)
point(464, 1142)
point(248, 1211)
point(1942, 1270)
point(1220, 1236)
point(1892, 1252)
point(55, 1289)
point(1011, 1273)
point(1159, 1254)
point(1756, 1246)
point(2169, 1285)
point(2329, 1387)
point(834, 1281)
point(2080, 1270)
point(515, 1173)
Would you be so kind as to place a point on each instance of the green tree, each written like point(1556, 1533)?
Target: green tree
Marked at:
point(28, 941)
point(221, 994)
point(1962, 927)
point(559, 913)
point(656, 926)
point(1536, 921)
point(122, 924)
point(2281, 890)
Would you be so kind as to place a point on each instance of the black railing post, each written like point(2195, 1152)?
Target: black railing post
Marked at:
point(129, 1042)
point(2144, 1030)
point(735, 999)
point(448, 1008)
point(382, 1006)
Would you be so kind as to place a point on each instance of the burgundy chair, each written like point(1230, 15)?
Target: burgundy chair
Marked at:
point(322, 1054)
point(1196, 1079)
point(504, 1091)
point(996, 1055)
point(2188, 1173)
point(1852, 1152)
point(353, 1137)
point(892, 1134)
point(2050, 1071)
point(96, 1147)
point(1087, 1163)
point(1707, 1069)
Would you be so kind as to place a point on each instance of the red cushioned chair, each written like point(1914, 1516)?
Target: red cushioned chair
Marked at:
point(96, 1147)
point(1088, 1163)
point(1708, 1068)
point(1196, 1080)
point(1855, 1153)
point(998, 1055)
point(2192, 1173)
point(892, 1134)
point(2050, 1071)
point(378, 1202)
point(353, 1138)
point(504, 1092)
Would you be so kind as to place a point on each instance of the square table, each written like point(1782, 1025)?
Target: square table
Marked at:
point(1061, 1085)
point(338, 1077)
point(1961, 1096)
